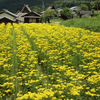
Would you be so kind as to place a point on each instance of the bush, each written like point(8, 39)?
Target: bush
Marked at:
point(92, 24)
point(95, 14)
point(86, 16)
point(84, 7)
point(93, 10)
point(66, 13)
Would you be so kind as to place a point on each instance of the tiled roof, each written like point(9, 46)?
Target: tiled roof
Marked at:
point(20, 16)
point(8, 12)
point(86, 12)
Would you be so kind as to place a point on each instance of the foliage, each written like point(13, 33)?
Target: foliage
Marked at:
point(86, 16)
point(92, 5)
point(84, 7)
point(37, 9)
point(95, 13)
point(49, 62)
point(48, 14)
point(66, 13)
point(91, 24)
point(17, 5)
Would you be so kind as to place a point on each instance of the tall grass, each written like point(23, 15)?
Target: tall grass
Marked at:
point(92, 24)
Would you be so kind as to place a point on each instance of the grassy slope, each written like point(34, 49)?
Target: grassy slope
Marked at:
point(92, 24)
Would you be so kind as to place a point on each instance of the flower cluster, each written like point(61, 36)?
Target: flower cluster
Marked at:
point(49, 62)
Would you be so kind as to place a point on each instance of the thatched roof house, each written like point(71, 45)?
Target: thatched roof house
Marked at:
point(7, 16)
point(27, 16)
point(31, 17)
point(25, 10)
point(51, 7)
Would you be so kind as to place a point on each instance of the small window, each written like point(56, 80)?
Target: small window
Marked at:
point(32, 20)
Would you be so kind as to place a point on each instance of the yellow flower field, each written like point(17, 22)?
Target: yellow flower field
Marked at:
point(49, 62)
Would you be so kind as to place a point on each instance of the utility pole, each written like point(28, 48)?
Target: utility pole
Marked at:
point(43, 9)
point(97, 4)
point(43, 5)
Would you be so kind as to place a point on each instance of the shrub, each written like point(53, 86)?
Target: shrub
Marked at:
point(95, 13)
point(93, 10)
point(86, 16)
point(66, 13)
point(84, 7)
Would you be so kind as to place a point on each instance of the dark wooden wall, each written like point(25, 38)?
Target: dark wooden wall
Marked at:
point(5, 20)
point(26, 20)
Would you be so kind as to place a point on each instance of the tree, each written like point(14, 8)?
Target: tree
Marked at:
point(66, 13)
point(97, 4)
point(84, 7)
point(92, 5)
point(48, 14)
point(37, 9)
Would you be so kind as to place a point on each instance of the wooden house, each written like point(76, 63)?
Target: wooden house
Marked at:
point(7, 16)
point(25, 10)
point(27, 16)
point(81, 13)
point(31, 17)
point(51, 7)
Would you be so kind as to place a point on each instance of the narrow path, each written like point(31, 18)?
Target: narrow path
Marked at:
point(15, 65)
point(57, 22)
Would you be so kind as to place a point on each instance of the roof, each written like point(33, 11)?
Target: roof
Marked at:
point(60, 9)
point(21, 13)
point(20, 16)
point(75, 8)
point(51, 7)
point(25, 6)
point(86, 12)
point(42, 12)
point(8, 12)
point(32, 13)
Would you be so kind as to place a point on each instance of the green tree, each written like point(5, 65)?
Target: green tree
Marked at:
point(37, 9)
point(97, 3)
point(84, 7)
point(48, 14)
point(92, 5)
point(66, 13)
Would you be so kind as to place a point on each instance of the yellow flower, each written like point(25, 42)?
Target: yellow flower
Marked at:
point(7, 91)
point(93, 90)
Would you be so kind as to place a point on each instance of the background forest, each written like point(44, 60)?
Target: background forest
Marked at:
point(18, 4)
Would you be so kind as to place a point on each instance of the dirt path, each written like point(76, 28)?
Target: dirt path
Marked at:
point(57, 22)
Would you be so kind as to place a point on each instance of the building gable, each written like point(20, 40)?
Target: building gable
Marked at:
point(51, 7)
point(32, 14)
point(25, 9)
point(5, 15)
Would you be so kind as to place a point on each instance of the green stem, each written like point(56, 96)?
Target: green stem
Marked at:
point(14, 62)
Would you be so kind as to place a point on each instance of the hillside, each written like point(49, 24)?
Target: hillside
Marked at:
point(18, 4)
point(15, 5)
